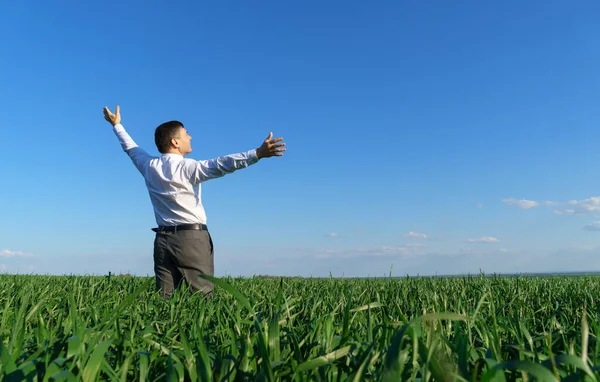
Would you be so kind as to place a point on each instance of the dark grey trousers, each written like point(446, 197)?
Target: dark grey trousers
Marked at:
point(180, 257)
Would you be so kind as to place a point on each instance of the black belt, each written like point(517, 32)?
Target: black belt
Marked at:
point(182, 227)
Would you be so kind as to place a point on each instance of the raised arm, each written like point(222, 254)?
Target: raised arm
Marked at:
point(139, 156)
point(204, 170)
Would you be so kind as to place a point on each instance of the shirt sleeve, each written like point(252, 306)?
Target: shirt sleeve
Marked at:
point(204, 170)
point(139, 156)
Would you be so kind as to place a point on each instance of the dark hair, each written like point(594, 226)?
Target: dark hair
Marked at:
point(164, 133)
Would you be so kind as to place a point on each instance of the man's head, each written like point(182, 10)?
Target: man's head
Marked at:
point(172, 138)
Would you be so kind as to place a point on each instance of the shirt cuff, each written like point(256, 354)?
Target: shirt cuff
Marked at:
point(252, 157)
point(118, 127)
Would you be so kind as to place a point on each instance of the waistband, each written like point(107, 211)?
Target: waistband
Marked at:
point(182, 227)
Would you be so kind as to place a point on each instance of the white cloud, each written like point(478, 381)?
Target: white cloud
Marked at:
point(564, 212)
point(522, 203)
point(417, 235)
point(9, 253)
point(595, 226)
point(391, 250)
point(572, 207)
point(486, 239)
point(326, 253)
point(585, 247)
point(487, 258)
point(333, 234)
point(480, 205)
point(383, 251)
point(482, 258)
point(588, 205)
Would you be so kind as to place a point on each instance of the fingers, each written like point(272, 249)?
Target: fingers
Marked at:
point(277, 152)
point(106, 113)
point(107, 110)
point(275, 146)
point(110, 117)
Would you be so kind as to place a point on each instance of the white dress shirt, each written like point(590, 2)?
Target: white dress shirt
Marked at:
point(173, 181)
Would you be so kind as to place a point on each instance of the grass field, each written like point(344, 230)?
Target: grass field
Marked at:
point(268, 329)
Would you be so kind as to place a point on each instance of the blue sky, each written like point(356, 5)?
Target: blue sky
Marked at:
point(430, 138)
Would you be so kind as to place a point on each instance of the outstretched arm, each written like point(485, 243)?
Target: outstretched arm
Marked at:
point(139, 157)
point(204, 170)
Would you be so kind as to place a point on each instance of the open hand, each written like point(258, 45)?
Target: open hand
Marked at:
point(270, 147)
point(113, 119)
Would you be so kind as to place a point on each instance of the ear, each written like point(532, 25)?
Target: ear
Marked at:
point(174, 142)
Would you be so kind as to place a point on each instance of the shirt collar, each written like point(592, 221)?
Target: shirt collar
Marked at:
point(171, 155)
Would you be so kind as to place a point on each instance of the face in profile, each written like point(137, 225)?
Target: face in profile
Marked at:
point(185, 141)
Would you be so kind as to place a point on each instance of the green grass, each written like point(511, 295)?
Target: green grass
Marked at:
point(267, 329)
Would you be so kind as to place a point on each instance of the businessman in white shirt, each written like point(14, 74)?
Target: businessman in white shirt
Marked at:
point(183, 248)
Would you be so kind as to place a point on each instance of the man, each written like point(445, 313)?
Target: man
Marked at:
point(183, 248)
